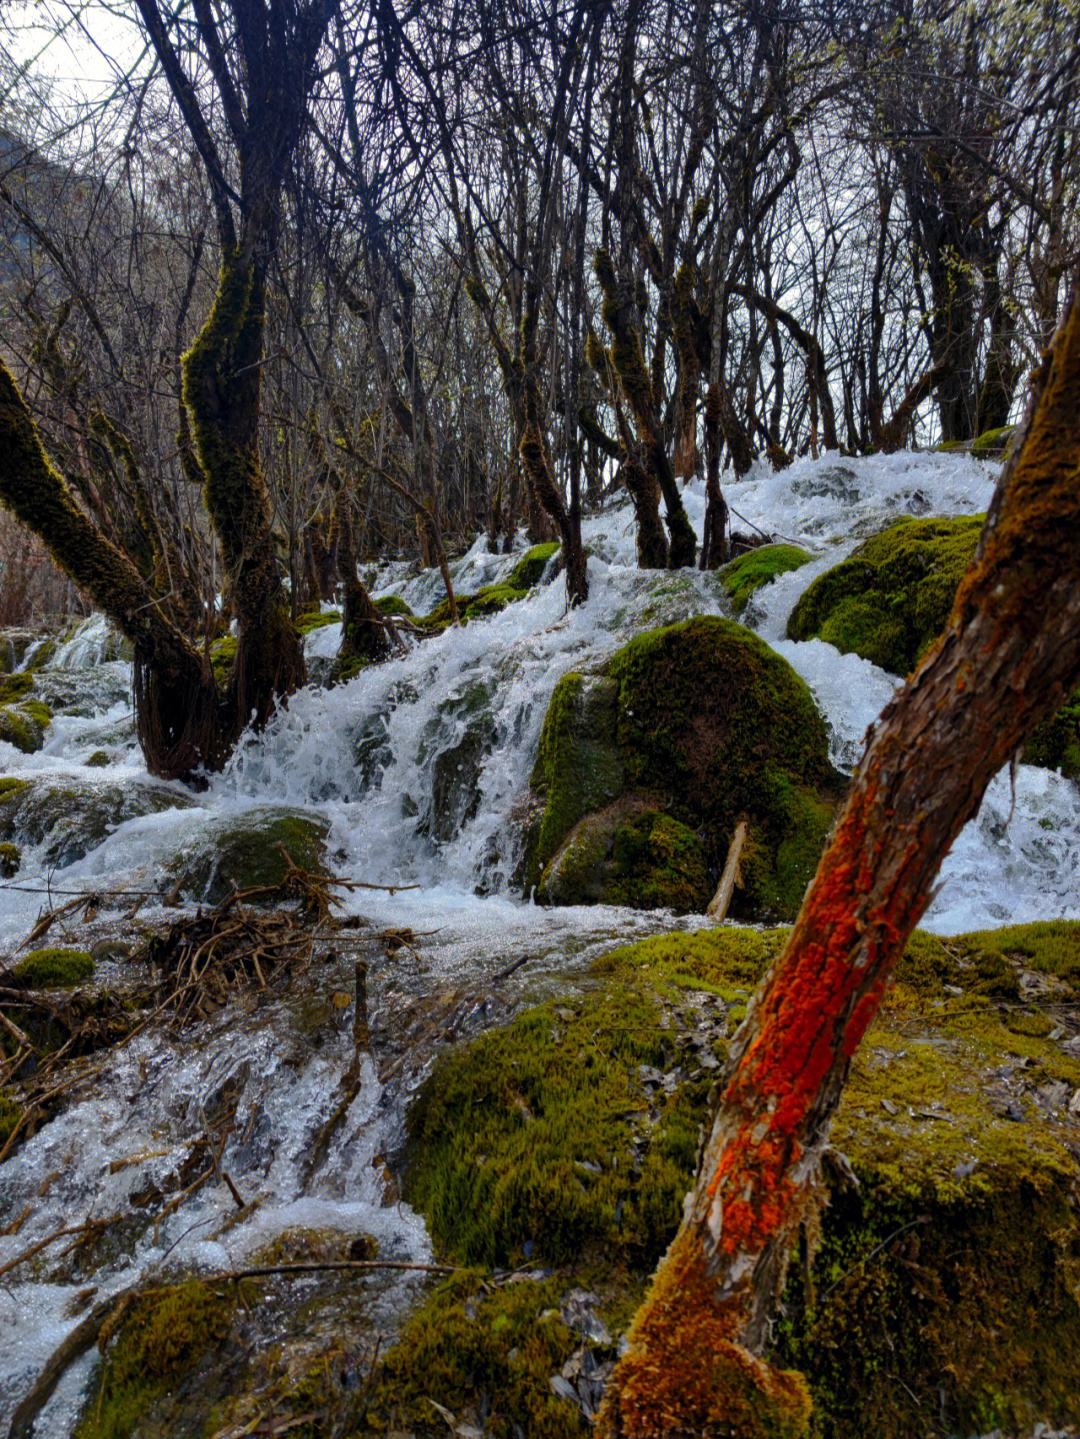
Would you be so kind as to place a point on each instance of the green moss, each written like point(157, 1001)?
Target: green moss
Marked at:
point(629, 853)
point(11, 1113)
point(578, 766)
point(21, 727)
point(15, 687)
point(490, 600)
point(890, 600)
point(757, 567)
point(162, 1336)
point(344, 670)
point(12, 789)
point(992, 444)
point(529, 570)
point(472, 1346)
point(394, 605)
point(1056, 742)
point(247, 853)
point(55, 968)
point(38, 711)
point(703, 721)
point(100, 759)
point(222, 659)
point(316, 619)
point(10, 859)
point(570, 1137)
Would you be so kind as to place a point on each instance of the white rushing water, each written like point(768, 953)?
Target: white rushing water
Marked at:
point(420, 766)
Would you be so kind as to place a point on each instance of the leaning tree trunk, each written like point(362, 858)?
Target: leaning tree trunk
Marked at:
point(180, 722)
point(222, 387)
point(1009, 657)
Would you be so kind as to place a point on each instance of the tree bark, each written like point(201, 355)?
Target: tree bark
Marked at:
point(179, 719)
point(1009, 656)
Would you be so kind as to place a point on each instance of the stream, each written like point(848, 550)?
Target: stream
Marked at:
point(420, 767)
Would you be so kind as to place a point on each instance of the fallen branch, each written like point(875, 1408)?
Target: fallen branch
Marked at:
point(721, 900)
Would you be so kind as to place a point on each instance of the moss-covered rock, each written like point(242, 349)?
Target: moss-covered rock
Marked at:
point(249, 852)
point(14, 688)
point(891, 598)
point(460, 735)
point(55, 968)
point(394, 605)
point(490, 600)
point(700, 720)
point(529, 570)
point(569, 1138)
point(69, 817)
point(10, 859)
point(629, 853)
point(149, 1359)
point(24, 725)
point(746, 574)
point(100, 759)
point(993, 444)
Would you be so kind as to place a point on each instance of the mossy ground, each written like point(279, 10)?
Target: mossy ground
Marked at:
point(55, 968)
point(307, 621)
point(705, 722)
point(569, 1138)
point(746, 574)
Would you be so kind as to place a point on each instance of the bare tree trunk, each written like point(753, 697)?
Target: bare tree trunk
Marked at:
point(714, 542)
point(1009, 657)
point(365, 633)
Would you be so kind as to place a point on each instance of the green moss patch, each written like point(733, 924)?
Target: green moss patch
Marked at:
point(10, 859)
point(746, 574)
point(394, 605)
point(11, 1113)
point(15, 687)
point(308, 621)
point(24, 725)
point(249, 852)
point(700, 720)
point(150, 1356)
point(891, 598)
point(222, 659)
point(55, 968)
point(529, 570)
point(993, 444)
point(569, 1139)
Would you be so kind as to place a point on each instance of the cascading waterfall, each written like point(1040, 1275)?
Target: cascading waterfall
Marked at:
point(420, 766)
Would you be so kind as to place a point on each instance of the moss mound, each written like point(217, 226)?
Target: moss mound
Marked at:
point(308, 621)
point(10, 859)
point(24, 725)
point(394, 605)
point(700, 720)
point(746, 574)
point(993, 444)
point(529, 570)
point(55, 968)
point(891, 598)
point(149, 1353)
point(569, 1138)
point(253, 851)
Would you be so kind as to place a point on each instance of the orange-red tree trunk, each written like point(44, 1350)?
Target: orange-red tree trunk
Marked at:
point(1009, 657)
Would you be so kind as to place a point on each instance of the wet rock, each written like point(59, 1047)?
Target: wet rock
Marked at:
point(459, 736)
point(252, 851)
point(69, 817)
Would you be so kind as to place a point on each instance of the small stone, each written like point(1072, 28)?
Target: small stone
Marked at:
point(562, 1388)
point(889, 1107)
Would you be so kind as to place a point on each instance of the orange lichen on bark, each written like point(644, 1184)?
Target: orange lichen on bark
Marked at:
point(683, 1375)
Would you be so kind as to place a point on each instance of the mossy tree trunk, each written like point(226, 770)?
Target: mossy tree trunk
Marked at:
point(1009, 657)
point(714, 540)
point(222, 391)
point(365, 633)
point(628, 363)
point(179, 719)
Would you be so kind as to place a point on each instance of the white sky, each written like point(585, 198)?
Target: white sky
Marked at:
point(78, 51)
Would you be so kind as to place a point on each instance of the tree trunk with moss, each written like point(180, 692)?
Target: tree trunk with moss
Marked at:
point(628, 363)
point(222, 387)
point(714, 540)
point(365, 633)
point(1009, 657)
point(179, 719)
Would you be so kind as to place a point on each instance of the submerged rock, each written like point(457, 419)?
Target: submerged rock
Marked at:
point(69, 817)
point(891, 598)
point(702, 723)
point(249, 851)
